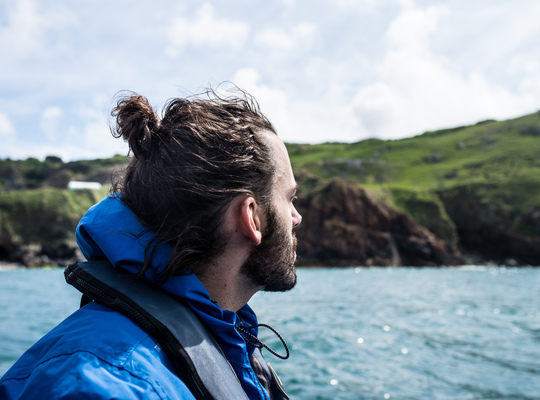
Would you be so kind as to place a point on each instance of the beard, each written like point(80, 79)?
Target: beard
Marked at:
point(270, 265)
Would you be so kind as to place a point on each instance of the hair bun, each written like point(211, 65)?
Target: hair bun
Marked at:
point(136, 122)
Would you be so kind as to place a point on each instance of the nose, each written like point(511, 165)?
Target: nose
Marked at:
point(296, 217)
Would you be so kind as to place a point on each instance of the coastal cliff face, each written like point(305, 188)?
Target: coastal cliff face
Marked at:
point(490, 225)
point(343, 225)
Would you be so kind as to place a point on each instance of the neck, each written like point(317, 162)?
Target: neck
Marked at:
point(227, 286)
point(223, 277)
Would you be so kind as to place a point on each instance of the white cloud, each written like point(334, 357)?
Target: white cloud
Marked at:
point(416, 87)
point(96, 135)
point(273, 102)
point(300, 37)
point(25, 31)
point(7, 132)
point(411, 30)
point(205, 28)
point(87, 137)
point(296, 120)
point(359, 4)
point(22, 33)
point(50, 121)
point(368, 6)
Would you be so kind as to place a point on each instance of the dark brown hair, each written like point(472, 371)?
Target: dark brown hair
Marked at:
point(187, 167)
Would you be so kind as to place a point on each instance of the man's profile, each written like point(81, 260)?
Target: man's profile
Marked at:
point(204, 213)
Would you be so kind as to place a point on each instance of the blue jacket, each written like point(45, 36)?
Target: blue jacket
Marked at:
point(99, 353)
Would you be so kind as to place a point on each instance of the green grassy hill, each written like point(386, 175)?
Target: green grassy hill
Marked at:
point(488, 152)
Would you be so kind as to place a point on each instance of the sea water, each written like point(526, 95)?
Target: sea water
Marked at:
point(358, 333)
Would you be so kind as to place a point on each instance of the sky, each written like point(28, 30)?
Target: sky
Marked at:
point(322, 70)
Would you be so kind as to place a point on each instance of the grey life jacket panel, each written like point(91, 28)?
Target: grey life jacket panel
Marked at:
point(272, 383)
point(197, 358)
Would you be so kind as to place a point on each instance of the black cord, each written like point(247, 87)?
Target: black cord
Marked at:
point(255, 342)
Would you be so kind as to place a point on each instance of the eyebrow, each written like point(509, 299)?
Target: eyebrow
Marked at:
point(293, 189)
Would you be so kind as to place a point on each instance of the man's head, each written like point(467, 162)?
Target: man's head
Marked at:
point(270, 265)
point(188, 166)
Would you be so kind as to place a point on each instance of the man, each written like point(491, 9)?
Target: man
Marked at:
point(205, 213)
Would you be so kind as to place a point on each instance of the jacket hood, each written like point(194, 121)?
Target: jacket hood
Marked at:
point(110, 230)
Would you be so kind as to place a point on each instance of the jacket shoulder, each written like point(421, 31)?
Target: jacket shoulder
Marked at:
point(95, 353)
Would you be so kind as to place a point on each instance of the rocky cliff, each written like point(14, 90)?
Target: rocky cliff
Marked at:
point(343, 225)
point(494, 224)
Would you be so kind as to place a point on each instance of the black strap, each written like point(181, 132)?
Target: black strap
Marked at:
point(198, 360)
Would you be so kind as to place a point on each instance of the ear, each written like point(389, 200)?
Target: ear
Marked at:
point(250, 220)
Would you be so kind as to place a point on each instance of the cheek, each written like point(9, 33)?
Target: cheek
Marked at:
point(283, 215)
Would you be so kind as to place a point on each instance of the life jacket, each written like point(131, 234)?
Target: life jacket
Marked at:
point(197, 359)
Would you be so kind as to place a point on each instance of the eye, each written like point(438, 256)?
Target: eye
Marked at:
point(293, 199)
